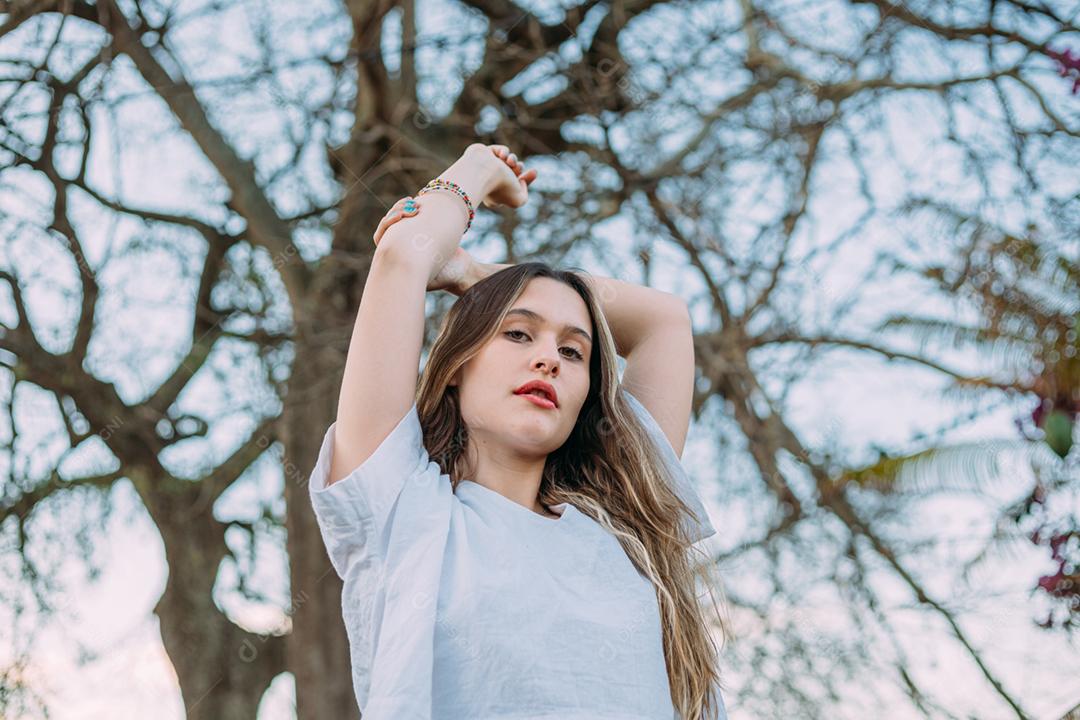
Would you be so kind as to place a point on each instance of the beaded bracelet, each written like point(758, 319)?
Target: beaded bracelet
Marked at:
point(440, 184)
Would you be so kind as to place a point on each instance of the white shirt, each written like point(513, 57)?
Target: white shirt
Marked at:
point(470, 605)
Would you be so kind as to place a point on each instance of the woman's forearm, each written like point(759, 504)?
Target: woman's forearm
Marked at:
point(632, 311)
point(431, 237)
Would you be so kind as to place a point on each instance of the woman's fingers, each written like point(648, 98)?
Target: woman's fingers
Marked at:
point(385, 223)
point(511, 159)
point(509, 193)
point(405, 207)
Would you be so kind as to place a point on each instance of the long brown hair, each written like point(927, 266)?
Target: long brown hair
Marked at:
point(608, 468)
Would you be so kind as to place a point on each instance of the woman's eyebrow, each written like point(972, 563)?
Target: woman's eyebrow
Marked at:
point(532, 315)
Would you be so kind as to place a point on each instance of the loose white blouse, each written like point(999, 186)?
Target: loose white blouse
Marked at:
point(469, 605)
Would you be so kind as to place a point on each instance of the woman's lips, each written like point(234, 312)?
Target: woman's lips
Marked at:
point(537, 400)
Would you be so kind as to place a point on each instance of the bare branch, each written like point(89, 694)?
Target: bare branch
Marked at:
point(265, 225)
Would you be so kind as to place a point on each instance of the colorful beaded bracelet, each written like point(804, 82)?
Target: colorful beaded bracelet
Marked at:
point(440, 184)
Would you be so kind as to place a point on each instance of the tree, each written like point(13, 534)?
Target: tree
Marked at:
point(721, 135)
point(1024, 290)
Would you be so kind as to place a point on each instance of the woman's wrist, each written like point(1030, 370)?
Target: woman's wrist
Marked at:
point(472, 275)
point(475, 172)
point(478, 271)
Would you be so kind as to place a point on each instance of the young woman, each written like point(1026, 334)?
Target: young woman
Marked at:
point(515, 531)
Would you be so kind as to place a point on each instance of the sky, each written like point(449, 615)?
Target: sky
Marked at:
point(851, 402)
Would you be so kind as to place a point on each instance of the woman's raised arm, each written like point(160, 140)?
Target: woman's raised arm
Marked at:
point(379, 383)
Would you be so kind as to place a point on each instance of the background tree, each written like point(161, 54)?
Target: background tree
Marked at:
point(763, 157)
point(1025, 292)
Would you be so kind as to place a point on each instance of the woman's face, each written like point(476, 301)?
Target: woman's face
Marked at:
point(524, 348)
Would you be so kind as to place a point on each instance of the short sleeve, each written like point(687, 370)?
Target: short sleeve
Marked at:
point(383, 525)
point(357, 509)
point(699, 527)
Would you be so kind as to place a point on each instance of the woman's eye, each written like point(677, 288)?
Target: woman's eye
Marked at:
point(576, 354)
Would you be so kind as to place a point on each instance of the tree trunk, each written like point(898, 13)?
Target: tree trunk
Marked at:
point(223, 670)
point(318, 647)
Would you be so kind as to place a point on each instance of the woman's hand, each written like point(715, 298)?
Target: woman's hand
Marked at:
point(455, 275)
point(512, 180)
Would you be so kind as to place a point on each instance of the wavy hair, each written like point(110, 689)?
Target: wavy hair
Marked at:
point(608, 468)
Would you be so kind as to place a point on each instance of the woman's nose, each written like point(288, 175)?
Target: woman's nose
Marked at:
point(551, 365)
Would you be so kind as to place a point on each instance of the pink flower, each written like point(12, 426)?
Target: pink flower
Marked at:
point(1049, 583)
point(1068, 64)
